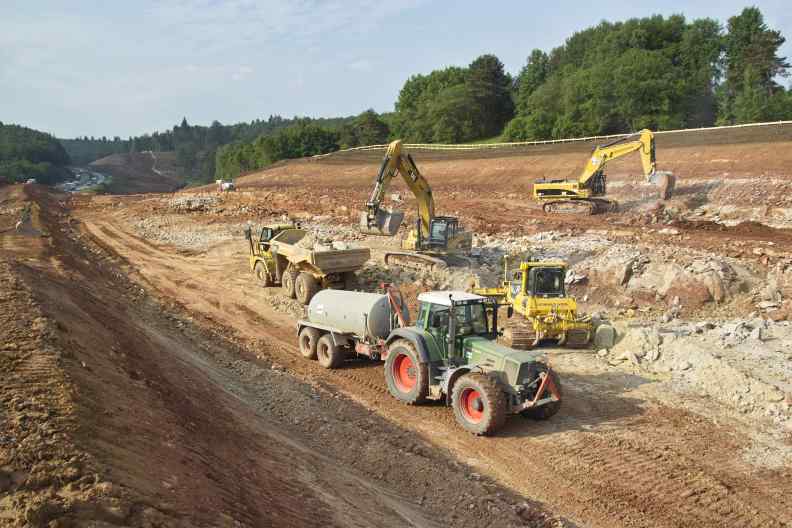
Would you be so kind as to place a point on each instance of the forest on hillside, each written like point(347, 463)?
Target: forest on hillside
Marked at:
point(655, 72)
point(29, 154)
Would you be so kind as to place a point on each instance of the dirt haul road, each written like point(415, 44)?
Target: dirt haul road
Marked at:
point(618, 454)
point(118, 410)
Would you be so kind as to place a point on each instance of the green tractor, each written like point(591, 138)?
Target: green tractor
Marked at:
point(449, 353)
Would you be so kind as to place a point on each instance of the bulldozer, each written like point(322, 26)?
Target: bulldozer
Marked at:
point(586, 194)
point(436, 241)
point(535, 289)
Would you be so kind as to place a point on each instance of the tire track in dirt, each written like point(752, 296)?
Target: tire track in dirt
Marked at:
point(613, 476)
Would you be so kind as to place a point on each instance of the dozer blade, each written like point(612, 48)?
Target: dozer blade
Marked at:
point(386, 223)
point(665, 181)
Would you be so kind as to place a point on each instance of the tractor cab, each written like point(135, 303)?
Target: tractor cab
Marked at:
point(450, 318)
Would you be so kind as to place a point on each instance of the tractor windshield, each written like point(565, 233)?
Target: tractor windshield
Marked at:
point(471, 319)
point(547, 282)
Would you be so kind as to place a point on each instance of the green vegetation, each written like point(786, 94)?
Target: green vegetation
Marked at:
point(26, 153)
point(653, 72)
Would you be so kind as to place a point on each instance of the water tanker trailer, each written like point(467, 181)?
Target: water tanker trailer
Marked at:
point(449, 353)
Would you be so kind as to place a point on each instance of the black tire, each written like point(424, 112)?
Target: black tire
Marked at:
point(406, 377)
point(308, 339)
point(305, 287)
point(287, 283)
point(479, 404)
point(328, 354)
point(550, 409)
point(260, 270)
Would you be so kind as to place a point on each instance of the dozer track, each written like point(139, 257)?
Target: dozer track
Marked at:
point(581, 206)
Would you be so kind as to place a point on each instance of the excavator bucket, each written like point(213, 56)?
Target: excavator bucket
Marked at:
point(386, 223)
point(665, 181)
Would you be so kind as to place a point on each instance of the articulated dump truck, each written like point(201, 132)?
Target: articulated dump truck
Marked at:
point(449, 353)
point(276, 257)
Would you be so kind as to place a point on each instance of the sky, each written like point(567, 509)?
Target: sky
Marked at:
point(97, 68)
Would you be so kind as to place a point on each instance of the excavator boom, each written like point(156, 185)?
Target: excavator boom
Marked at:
point(376, 219)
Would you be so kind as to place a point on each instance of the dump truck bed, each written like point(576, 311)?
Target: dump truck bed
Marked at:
point(328, 261)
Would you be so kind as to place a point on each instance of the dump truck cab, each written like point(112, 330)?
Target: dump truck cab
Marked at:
point(451, 352)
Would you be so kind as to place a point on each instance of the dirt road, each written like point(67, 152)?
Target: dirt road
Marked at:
point(617, 455)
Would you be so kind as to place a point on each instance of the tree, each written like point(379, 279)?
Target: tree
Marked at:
point(531, 77)
point(752, 64)
point(489, 88)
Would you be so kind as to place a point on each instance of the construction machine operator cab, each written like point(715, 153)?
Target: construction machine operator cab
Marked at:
point(546, 282)
point(441, 229)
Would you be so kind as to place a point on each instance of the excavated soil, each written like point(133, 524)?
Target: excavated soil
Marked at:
point(185, 402)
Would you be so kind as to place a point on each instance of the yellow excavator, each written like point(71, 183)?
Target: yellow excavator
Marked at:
point(535, 289)
point(436, 241)
point(583, 195)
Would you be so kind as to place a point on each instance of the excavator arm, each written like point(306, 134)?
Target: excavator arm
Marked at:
point(376, 219)
point(621, 147)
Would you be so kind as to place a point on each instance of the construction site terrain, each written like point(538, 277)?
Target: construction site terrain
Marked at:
point(146, 379)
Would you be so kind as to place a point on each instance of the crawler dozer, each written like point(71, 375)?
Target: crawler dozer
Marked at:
point(586, 194)
point(436, 241)
point(536, 291)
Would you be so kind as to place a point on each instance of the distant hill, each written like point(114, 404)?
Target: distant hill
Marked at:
point(140, 172)
point(29, 154)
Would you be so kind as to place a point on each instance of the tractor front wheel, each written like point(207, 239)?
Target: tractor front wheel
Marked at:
point(287, 283)
point(406, 377)
point(547, 410)
point(479, 404)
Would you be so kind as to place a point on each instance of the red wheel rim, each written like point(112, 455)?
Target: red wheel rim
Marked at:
point(472, 405)
point(404, 373)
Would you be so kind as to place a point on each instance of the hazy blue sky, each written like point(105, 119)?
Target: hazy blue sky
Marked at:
point(120, 68)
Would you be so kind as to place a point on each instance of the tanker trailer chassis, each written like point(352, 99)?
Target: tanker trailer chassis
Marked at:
point(450, 353)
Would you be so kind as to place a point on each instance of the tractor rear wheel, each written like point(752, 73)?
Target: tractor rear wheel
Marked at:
point(287, 283)
point(261, 274)
point(479, 404)
point(406, 377)
point(329, 354)
point(549, 409)
point(308, 339)
point(305, 287)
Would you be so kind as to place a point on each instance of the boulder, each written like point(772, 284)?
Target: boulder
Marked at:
point(604, 336)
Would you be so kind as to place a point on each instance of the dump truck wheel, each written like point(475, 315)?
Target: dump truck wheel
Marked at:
point(308, 339)
point(479, 404)
point(261, 274)
point(407, 379)
point(287, 283)
point(545, 411)
point(305, 287)
point(329, 354)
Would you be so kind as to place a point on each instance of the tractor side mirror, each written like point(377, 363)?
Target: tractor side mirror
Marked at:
point(509, 312)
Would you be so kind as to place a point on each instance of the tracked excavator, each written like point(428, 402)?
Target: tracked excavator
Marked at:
point(436, 241)
point(586, 194)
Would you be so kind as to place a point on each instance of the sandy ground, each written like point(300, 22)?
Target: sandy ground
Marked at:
point(175, 321)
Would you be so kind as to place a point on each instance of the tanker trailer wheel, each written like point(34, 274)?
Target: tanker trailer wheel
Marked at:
point(287, 283)
point(261, 274)
point(407, 379)
point(305, 287)
point(329, 354)
point(545, 411)
point(308, 339)
point(479, 404)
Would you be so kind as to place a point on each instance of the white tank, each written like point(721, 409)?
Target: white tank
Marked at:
point(360, 313)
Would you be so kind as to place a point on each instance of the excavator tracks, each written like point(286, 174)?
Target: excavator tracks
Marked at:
point(415, 261)
point(581, 206)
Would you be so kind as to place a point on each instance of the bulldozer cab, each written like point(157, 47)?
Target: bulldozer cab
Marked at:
point(546, 282)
